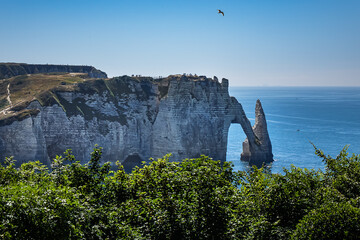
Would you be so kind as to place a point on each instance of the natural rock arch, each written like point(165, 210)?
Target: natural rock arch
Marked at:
point(257, 148)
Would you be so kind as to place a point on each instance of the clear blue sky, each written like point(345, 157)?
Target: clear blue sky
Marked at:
point(257, 42)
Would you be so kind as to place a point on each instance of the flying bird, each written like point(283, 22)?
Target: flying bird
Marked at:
point(221, 12)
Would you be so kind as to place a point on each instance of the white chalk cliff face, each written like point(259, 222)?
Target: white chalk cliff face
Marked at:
point(134, 119)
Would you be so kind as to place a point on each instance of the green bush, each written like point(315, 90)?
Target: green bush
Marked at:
point(193, 199)
point(330, 221)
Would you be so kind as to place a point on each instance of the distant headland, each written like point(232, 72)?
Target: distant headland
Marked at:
point(8, 70)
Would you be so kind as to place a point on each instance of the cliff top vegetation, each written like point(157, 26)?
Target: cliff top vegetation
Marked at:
point(17, 92)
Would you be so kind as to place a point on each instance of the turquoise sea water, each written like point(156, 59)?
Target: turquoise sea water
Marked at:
point(327, 116)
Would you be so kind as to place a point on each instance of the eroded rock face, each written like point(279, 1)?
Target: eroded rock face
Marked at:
point(258, 151)
point(134, 119)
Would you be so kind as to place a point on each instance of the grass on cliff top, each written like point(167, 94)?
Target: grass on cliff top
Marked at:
point(26, 88)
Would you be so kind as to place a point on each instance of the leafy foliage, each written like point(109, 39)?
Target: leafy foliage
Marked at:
point(193, 199)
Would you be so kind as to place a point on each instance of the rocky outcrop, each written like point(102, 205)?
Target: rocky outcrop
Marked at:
point(134, 119)
point(258, 150)
point(8, 70)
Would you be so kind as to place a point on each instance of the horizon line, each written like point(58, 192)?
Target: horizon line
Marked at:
point(270, 86)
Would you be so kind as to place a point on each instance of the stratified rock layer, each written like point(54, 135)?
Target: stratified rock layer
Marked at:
point(134, 119)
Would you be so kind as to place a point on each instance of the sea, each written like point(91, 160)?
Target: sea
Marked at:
point(328, 117)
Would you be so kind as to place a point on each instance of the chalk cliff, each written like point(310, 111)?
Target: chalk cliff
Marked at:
point(262, 149)
point(133, 119)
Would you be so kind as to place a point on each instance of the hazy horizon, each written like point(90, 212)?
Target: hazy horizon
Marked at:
point(256, 43)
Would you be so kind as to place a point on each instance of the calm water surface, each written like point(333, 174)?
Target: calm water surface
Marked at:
point(329, 117)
